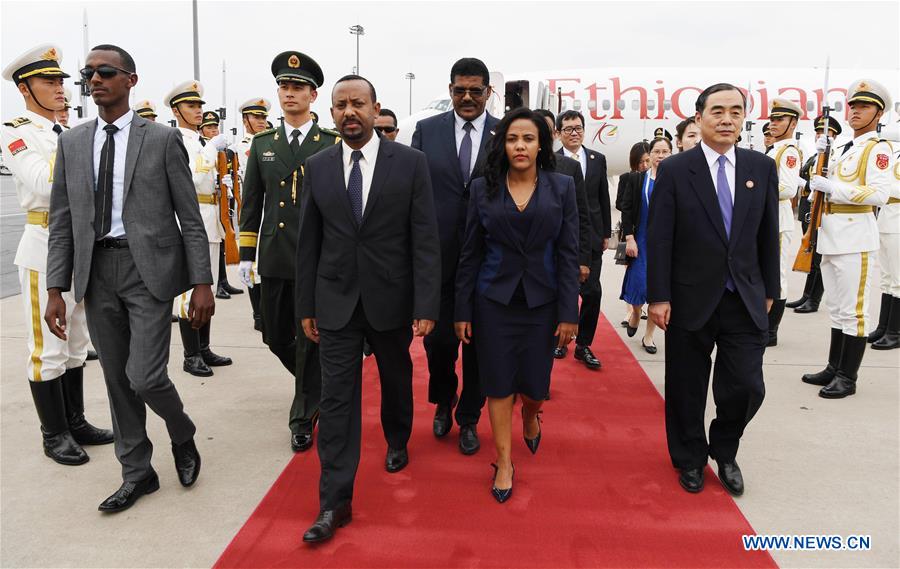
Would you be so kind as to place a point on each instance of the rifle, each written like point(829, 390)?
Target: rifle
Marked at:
point(803, 262)
point(232, 253)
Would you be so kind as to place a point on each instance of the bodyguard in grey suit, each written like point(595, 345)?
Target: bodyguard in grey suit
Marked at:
point(119, 183)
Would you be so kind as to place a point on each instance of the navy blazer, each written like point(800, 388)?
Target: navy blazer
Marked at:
point(436, 137)
point(493, 260)
point(689, 253)
point(596, 188)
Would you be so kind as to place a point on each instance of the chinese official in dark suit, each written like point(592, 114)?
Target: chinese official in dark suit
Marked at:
point(368, 268)
point(711, 276)
point(454, 143)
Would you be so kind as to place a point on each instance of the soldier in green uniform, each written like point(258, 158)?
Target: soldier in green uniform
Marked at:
point(270, 220)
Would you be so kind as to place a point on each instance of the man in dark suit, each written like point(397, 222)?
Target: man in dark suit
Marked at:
point(119, 183)
point(368, 268)
point(454, 143)
point(570, 126)
point(711, 276)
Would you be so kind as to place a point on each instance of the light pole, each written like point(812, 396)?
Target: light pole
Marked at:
point(411, 76)
point(357, 31)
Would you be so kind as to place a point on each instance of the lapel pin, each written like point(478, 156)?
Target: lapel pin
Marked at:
point(592, 156)
point(316, 138)
point(750, 184)
point(493, 133)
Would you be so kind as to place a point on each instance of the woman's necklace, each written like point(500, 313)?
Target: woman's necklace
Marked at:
point(521, 206)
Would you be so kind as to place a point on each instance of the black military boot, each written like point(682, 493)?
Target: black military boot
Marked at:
point(211, 359)
point(883, 316)
point(775, 315)
point(815, 294)
point(844, 382)
point(51, 408)
point(805, 296)
point(190, 339)
point(825, 376)
point(891, 338)
point(223, 275)
point(73, 393)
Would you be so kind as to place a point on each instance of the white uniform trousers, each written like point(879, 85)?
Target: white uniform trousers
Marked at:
point(183, 301)
point(788, 253)
point(889, 257)
point(48, 356)
point(846, 278)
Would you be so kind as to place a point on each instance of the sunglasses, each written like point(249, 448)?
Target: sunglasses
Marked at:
point(387, 129)
point(105, 72)
point(475, 93)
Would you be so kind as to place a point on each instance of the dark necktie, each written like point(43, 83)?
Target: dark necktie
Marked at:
point(57, 128)
point(104, 195)
point(847, 147)
point(295, 141)
point(355, 186)
point(465, 153)
point(727, 207)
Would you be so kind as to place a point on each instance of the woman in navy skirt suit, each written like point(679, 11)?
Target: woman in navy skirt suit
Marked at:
point(517, 279)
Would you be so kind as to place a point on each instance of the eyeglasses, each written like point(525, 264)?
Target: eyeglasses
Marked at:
point(475, 92)
point(105, 72)
point(573, 129)
point(387, 129)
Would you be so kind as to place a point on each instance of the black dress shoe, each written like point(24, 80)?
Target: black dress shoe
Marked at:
point(327, 523)
point(195, 365)
point(301, 442)
point(560, 353)
point(187, 462)
point(396, 459)
point(222, 294)
point(128, 493)
point(584, 354)
point(797, 303)
point(230, 289)
point(807, 307)
point(691, 479)
point(213, 359)
point(890, 341)
point(92, 355)
point(502, 494)
point(468, 439)
point(443, 419)
point(841, 386)
point(651, 349)
point(731, 478)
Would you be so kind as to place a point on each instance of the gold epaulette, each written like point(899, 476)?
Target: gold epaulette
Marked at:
point(16, 123)
point(265, 132)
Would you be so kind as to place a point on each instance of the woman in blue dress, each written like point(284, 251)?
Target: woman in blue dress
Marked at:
point(635, 210)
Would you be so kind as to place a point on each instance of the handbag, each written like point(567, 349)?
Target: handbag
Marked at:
point(614, 239)
point(621, 257)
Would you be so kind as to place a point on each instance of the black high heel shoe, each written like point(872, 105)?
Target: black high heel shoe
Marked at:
point(532, 444)
point(631, 330)
point(502, 494)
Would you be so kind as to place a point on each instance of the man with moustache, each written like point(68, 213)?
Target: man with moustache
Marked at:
point(712, 275)
point(270, 220)
point(367, 269)
point(454, 143)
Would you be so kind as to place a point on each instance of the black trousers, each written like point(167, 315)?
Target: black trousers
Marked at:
point(591, 294)
point(340, 422)
point(442, 350)
point(738, 388)
point(298, 355)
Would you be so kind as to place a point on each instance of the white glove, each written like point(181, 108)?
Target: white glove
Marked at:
point(820, 184)
point(228, 182)
point(219, 142)
point(822, 142)
point(245, 268)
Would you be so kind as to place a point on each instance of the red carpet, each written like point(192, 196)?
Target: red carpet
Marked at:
point(600, 492)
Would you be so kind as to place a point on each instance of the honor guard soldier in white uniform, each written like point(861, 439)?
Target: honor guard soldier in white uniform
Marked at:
point(860, 179)
point(186, 103)
point(146, 109)
point(784, 115)
point(254, 113)
point(813, 289)
point(887, 335)
point(54, 366)
point(62, 116)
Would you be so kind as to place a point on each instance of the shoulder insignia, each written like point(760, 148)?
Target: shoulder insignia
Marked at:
point(265, 132)
point(16, 123)
point(17, 146)
point(330, 132)
point(791, 161)
point(882, 161)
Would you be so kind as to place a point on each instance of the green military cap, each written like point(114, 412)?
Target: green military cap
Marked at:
point(210, 118)
point(833, 124)
point(869, 91)
point(297, 67)
point(782, 107)
point(660, 132)
point(765, 128)
point(40, 61)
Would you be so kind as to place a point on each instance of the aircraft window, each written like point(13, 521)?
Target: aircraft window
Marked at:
point(810, 106)
point(439, 104)
point(838, 106)
point(651, 105)
point(635, 105)
point(577, 105)
point(592, 104)
point(667, 105)
point(606, 105)
point(620, 104)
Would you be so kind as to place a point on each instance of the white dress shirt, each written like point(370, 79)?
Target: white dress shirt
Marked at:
point(304, 130)
point(579, 155)
point(475, 134)
point(712, 158)
point(366, 165)
point(120, 138)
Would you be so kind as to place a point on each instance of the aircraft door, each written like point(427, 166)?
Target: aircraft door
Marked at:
point(495, 104)
point(516, 94)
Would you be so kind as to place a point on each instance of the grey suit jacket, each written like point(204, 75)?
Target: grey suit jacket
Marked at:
point(158, 187)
